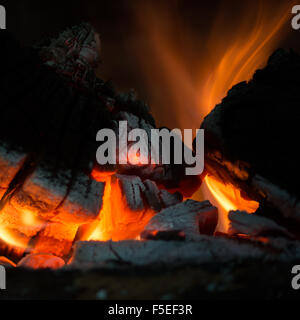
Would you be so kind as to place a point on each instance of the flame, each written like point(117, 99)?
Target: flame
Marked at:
point(116, 221)
point(187, 75)
point(248, 52)
point(237, 43)
point(188, 72)
point(227, 198)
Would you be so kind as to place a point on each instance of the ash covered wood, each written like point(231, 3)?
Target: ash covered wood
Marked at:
point(191, 217)
point(48, 151)
point(177, 253)
point(159, 199)
point(250, 136)
point(137, 193)
point(132, 187)
point(254, 225)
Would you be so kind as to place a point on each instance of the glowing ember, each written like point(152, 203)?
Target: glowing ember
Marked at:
point(13, 238)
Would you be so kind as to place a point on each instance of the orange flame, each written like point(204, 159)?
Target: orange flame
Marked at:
point(186, 75)
point(239, 41)
point(227, 198)
point(116, 221)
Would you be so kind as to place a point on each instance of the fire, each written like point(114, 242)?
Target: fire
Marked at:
point(16, 227)
point(228, 198)
point(235, 46)
point(187, 70)
point(189, 75)
point(116, 221)
point(13, 238)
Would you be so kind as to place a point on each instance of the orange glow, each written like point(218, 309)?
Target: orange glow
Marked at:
point(13, 238)
point(228, 198)
point(249, 51)
point(30, 219)
point(16, 228)
point(187, 76)
point(188, 73)
point(116, 220)
point(137, 159)
point(235, 44)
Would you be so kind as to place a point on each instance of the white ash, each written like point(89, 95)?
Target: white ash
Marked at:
point(207, 249)
point(188, 217)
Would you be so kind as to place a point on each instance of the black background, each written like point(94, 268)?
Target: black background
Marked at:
point(124, 46)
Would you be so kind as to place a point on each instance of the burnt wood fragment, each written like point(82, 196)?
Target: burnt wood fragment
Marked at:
point(254, 225)
point(191, 217)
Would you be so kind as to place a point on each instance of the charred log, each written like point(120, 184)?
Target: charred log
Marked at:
point(250, 136)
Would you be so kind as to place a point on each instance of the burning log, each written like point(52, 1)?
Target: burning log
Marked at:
point(170, 176)
point(190, 217)
point(50, 190)
point(250, 138)
point(129, 204)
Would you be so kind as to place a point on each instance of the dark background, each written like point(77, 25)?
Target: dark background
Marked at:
point(125, 52)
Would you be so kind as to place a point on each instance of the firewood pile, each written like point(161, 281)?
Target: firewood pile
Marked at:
point(54, 196)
